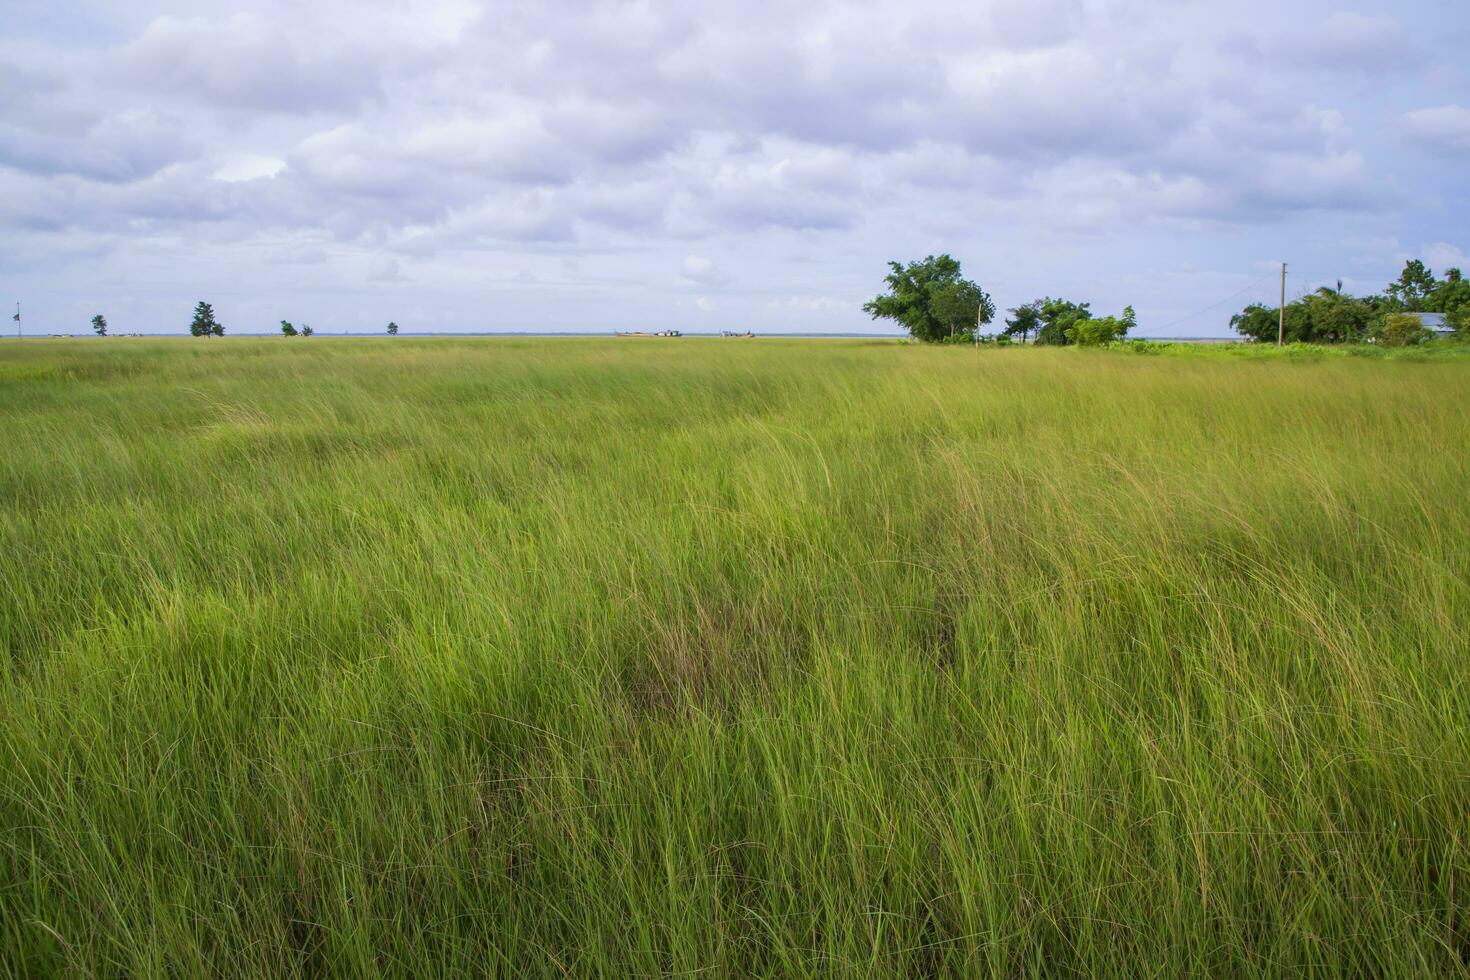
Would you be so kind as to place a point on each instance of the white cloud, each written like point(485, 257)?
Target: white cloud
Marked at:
point(248, 166)
point(812, 142)
point(1442, 255)
point(1445, 127)
point(697, 268)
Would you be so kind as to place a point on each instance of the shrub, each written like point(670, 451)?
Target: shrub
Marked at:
point(1403, 330)
point(1141, 346)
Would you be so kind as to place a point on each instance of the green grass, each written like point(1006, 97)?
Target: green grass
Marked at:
point(730, 658)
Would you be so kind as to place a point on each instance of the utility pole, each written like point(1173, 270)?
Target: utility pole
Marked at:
point(1281, 312)
point(17, 320)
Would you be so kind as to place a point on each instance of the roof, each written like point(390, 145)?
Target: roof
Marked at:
point(1434, 321)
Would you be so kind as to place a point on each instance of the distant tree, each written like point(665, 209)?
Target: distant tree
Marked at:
point(1334, 318)
point(99, 324)
point(204, 324)
point(1025, 320)
point(1403, 330)
point(1058, 316)
point(1256, 322)
point(288, 329)
point(1413, 286)
point(1450, 296)
point(931, 300)
point(1328, 316)
point(392, 329)
point(1459, 322)
point(963, 307)
point(306, 330)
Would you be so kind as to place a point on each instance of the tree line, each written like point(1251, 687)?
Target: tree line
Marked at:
point(204, 324)
point(1331, 316)
point(933, 301)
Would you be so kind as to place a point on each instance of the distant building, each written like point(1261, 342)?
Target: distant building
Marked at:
point(1435, 322)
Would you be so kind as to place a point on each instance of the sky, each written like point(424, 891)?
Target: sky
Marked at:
point(726, 165)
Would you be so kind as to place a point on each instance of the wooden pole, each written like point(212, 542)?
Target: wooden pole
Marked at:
point(1281, 312)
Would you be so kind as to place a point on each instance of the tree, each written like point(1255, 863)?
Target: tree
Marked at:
point(306, 330)
point(288, 329)
point(1328, 316)
point(1058, 316)
point(1403, 330)
point(1025, 320)
point(1095, 331)
point(1413, 286)
point(99, 324)
point(204, 324)
point(392, 329)
point(1334, 318)
point(1459, 322)
point(931, 300)
point(962, 306)
point(1256, 322)
point(1450, 296)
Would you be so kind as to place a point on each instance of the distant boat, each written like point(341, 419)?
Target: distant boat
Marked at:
point(645, 333)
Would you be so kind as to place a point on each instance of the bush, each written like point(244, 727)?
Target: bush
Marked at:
point(1097, 331)
point(1141, 346)
point(1403, 330)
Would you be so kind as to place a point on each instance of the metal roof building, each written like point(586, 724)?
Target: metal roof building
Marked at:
point(1435, 322)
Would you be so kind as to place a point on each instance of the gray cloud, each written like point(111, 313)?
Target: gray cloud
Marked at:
point(243, 62)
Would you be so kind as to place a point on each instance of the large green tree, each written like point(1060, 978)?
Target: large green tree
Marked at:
point(204, 323)
point(1414, 286)
point(1336, 318)
point(1058, 316)
point(932, 300)
point(99, 324)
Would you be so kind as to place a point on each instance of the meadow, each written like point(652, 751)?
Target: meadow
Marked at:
point(726, 658)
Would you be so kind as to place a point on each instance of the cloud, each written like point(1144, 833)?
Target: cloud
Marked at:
point(295, 254)
point(697, 268)
point(245, 63)
point(1442, 255)
point(128, 146)
point(1445, 127)
point(385, 268)
point(248, 166)
point(471, 140)
point(1343, 42)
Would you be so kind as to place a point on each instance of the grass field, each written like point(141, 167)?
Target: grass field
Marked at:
point(730, 658)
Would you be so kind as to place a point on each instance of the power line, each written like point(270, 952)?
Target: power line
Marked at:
point(1218, 302)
